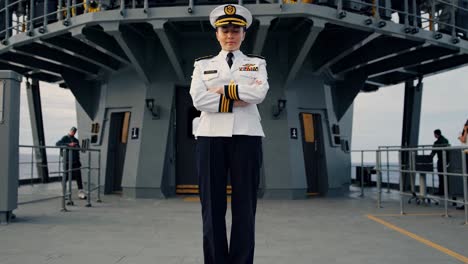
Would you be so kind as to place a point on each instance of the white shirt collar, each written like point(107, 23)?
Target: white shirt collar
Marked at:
point(237, 54)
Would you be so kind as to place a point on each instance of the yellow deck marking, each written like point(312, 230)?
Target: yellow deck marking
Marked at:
point(420, 239)
point(416, 214)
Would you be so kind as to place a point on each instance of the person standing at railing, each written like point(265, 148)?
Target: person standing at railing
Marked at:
point(440, 142)
point(71, 141)
point(464, 141)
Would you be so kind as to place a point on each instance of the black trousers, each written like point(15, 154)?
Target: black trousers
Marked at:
point(76, 173)
point(440, 169)
point(241, 156)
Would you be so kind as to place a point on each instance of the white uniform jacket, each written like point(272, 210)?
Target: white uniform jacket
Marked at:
point(246, 80)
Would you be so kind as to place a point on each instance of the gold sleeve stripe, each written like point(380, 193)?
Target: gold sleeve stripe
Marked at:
point(233, 88)
point(221, 103)
point(225, 104)
point(227, 91)
point(230, 91)
point(236, 92)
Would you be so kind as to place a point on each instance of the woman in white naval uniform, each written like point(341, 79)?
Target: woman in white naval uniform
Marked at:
point(227, 89)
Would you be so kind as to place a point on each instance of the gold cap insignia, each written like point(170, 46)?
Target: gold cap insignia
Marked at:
point(229, 10)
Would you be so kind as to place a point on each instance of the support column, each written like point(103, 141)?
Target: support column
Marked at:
point(37, 128)
point(9, 140)
point(411, 119)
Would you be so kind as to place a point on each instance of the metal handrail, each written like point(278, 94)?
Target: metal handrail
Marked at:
point(71, 6)
point(66, 171)
point(412, 171)
point(386, 148)
point(432, 15)
point(362, 152)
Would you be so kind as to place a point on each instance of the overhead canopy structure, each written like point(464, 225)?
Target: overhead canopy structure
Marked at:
point(320, 55)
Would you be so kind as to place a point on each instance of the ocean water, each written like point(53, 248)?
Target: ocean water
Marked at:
point(25, 168)
point(394, 177)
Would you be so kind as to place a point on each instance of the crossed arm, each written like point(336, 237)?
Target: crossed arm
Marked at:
point(224, 98)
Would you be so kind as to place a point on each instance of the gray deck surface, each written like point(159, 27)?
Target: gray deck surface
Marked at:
point(317, 230)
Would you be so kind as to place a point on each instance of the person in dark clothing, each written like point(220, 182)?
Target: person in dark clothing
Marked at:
point(440, 142)
point(70, 140)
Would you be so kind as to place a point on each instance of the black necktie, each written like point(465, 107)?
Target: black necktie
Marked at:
point(229, 59)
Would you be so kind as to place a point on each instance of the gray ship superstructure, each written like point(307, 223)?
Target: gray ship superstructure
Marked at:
point(129, 66)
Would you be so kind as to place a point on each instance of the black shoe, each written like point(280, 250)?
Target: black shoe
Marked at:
point(461, 207)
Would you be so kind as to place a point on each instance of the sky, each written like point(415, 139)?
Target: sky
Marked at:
point(58, 110)
point(377, 116)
